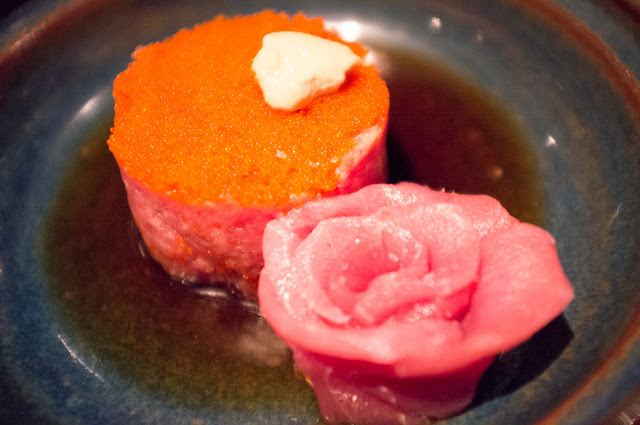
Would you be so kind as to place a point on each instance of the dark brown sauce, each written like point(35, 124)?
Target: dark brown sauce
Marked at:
point(215, 352)
point(446, 132)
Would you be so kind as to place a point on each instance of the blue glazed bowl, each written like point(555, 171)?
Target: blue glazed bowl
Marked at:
point(563, 72)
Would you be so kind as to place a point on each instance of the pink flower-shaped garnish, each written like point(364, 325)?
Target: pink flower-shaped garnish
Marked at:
point(395, 299)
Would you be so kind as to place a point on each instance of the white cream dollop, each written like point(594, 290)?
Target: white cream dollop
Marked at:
point(294, 68)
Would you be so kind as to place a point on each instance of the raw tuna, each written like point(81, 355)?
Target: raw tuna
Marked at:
point(395, 299)
point(207, 162)
point(221, 242)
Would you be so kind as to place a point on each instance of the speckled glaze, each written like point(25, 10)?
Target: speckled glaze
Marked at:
point(571, 83)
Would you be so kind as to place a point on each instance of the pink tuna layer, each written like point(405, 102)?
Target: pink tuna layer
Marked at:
point(490, 281)
point(396, 298)
point(346, 395)
point(222, 242)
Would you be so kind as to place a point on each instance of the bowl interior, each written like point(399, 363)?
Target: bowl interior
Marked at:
point(568, 143)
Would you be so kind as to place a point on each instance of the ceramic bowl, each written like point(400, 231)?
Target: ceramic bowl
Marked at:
point(559, 78)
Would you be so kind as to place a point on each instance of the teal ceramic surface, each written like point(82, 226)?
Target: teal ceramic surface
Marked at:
point(565, 71)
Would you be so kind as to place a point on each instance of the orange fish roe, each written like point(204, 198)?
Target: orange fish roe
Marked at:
point(191, 121)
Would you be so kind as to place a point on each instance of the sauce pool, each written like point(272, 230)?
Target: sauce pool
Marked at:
point(195, 346)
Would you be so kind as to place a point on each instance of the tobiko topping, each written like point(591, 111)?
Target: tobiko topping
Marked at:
point(191, 121)
point(395, 299)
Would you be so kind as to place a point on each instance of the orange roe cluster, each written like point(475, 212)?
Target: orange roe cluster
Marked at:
point(191, 122)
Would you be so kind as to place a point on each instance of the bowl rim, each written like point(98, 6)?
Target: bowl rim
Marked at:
point(20, 36)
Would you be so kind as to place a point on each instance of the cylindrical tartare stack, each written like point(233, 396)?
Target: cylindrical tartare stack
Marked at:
point(207, 162)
